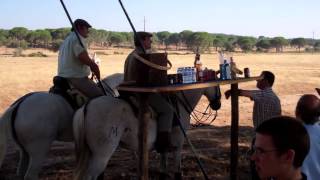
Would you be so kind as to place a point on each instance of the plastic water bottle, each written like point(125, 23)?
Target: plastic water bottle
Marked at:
point(194, 75)
point(185, 75)
point(179, 71)
point(227, 70)
point(222, 72)
point(189, 75)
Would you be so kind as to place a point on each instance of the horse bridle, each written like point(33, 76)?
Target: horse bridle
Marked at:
point(186, 105)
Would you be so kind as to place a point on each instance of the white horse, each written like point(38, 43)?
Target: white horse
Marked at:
point(35, 121)
point(105, 122)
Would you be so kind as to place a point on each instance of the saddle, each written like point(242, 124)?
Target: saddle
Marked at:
point(132, 100)
point(62, 87)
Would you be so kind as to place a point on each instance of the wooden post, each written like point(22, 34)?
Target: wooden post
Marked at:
point(234, 131)
point(143, 137)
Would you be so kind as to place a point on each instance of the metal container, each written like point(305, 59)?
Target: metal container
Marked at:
point(148, 76)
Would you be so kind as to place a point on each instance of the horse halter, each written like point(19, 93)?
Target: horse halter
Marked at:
point(214, 104)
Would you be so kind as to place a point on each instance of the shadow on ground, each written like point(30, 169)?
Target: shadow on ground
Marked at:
point(211, 142)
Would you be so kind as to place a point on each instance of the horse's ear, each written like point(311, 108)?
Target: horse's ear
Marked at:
point(318, 90)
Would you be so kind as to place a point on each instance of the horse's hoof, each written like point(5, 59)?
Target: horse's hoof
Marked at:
point(178, 176)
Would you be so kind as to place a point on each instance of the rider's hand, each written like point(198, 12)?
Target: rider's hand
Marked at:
point(95, 69)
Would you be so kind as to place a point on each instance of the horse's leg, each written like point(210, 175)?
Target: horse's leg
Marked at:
point(178, 139)
point(102, 150)
point(164, 172)
point(37, 152)
point(99, 160)
point(23, 163)
point(177, 164)
point(164, 162)
point(101, 176)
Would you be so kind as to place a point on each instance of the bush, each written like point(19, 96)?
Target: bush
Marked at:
point(101, 53)
point(37, 54)
point(18, 52)
point(55, 45)
point(116, 52)
point(18, 44)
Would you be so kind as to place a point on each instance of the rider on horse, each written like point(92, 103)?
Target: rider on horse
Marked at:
point(158, 103)
point(74, 63)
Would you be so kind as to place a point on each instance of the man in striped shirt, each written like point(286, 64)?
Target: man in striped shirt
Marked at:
point(266, 102)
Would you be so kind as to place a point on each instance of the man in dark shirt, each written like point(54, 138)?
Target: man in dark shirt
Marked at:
point(158, 103)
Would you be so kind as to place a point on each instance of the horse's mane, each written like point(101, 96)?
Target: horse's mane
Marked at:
point(113, 81)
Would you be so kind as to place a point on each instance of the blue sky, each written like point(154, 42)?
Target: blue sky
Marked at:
point(288, 18)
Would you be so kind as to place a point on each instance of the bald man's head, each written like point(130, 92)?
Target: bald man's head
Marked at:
point(308, 108)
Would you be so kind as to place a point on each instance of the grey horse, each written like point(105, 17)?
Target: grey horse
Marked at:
point(105, 123)
point(35, 121)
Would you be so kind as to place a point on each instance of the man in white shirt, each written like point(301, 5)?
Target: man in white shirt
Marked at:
point(74, 63)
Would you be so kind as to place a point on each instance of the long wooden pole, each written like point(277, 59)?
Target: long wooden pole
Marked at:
point(234, 131)
point(144, 116)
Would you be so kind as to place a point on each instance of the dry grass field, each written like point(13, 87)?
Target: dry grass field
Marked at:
point(296, 74)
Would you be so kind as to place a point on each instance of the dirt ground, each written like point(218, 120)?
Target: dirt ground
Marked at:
point(296, 74)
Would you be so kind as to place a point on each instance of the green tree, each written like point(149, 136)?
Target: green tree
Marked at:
point(246, 43)
point(174, 38)
point(298, 42)
point(219, 41)
point(32, 38)
point(18, 34)
point(59, 34)
point(116, 38)
point(43, 38)
point(316, 46)
point(185, 35)
point(128, 37)
point(263, 44)
point(163, 37)
point(278, 43)
point(3, 37)
point(199, 40)
point(98, 36)
point(55, 45)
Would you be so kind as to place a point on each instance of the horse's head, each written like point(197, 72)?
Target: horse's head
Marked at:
point(213, 94)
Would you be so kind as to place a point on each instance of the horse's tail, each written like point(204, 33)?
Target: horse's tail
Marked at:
point(6, 122)
point(82, 148)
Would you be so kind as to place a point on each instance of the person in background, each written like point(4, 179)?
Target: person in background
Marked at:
point(163, 109)
point(74, 63)
point(266, 102)
point(281, 145)
point(308, 111)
